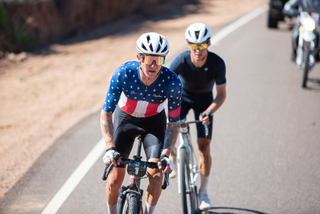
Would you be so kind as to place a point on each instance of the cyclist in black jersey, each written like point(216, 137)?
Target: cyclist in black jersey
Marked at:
point(135, 99)
point(199, 70)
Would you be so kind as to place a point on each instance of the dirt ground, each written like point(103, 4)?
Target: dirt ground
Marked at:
point(46, 92)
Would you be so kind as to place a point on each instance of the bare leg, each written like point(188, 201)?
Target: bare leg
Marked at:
point(173, 157)
point(205, 156)
point(173, 152)
point(114, 182)
point(154, 188)
point(205, 166)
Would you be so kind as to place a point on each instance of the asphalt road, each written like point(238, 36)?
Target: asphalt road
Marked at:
point(265, 147)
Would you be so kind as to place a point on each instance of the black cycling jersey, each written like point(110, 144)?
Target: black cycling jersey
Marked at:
point(197, 84)
point(199, 80)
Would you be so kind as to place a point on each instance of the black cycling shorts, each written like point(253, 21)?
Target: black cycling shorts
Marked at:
point(127, 128)
point(199, 103)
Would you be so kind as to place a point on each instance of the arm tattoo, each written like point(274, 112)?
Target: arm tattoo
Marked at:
point(171, 137)
point(106, 124)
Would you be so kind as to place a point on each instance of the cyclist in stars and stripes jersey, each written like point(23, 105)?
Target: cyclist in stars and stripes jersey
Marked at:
point(136, 100)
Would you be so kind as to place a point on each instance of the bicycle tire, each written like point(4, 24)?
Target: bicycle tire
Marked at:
point(130, 205)
point(188, 195)
point(305, 67)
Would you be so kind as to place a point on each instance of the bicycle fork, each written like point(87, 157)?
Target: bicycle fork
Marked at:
point(194, 171)
point(131, 188)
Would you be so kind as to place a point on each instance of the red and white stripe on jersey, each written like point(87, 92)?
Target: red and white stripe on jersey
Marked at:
point(139, 108)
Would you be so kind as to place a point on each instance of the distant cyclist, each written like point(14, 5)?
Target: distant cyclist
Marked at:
point(136, 99)
point(199, 70)
point(293, 8)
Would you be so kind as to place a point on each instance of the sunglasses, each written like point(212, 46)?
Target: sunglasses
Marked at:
point(148, 60)
point(201, 46)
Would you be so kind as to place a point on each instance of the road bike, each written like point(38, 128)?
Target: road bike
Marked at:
point(188, 172)
point(130, 199)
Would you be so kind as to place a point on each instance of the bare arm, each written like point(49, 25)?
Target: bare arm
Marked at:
point(170, 138)
point(218, 101)
point(107, 128)
point(169, 142)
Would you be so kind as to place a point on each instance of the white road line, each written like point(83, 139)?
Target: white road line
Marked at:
point(72, 182)
point(237, 24)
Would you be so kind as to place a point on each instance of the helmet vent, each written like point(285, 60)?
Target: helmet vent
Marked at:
point(205, 32)
point(158, 49)
point(165, 49)
point(144, 47)
point(151, 48)
point(161, 40)
point(197, 34)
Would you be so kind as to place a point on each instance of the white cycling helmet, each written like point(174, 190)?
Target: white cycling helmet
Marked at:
point(197, 33)
point(153, 43)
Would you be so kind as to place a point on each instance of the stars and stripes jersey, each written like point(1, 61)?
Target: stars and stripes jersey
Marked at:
point(130, 94)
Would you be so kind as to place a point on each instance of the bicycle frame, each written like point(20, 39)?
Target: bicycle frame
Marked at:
point(187, 171)
point(184, 138)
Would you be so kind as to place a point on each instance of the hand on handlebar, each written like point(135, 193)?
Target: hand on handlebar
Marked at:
point(111, 156)
point(165, 164)
point(205, 118)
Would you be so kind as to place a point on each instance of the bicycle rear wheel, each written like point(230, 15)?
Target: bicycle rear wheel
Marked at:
point(130, 205)
point(188, 194)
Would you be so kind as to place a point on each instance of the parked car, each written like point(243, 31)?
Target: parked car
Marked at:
point(275, 13)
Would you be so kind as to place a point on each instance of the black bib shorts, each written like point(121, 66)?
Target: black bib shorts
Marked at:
point(199, 103)
point(127, 128)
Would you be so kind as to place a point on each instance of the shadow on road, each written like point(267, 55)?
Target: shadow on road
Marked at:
point(313, 84)
point(229, 210)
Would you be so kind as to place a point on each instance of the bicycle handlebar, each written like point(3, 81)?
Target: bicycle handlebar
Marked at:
point(182, 122)
point(151, 165)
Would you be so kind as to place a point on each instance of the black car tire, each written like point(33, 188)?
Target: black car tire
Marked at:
point(272, 22)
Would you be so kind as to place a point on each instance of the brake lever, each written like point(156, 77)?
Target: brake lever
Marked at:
point(107, 171)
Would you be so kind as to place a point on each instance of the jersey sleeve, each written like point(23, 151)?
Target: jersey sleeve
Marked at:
point(174, 93)
point(221, 76)
point(115, 89)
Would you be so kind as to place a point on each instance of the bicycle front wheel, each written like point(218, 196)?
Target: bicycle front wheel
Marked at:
point(188, 194)
point(130, 205)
